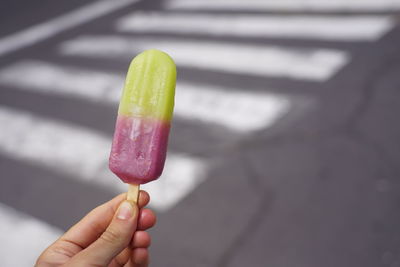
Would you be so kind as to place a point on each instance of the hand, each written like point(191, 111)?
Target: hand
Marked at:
point(110, 235)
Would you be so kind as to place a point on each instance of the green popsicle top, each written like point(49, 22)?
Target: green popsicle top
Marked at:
point(149, 86)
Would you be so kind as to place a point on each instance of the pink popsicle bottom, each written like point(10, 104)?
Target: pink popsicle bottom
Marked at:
point(139, 149)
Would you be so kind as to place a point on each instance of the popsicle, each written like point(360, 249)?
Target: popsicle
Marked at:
point(143, 123)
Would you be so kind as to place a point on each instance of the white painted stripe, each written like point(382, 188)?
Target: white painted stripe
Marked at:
point(51, 78)
point(45, 30)
point(238, 110)
point(289, 5)
point(77, 151)
point(308, 64)
point(180, 177)
point(340, 28)
point(83, 154)
point(23, 237)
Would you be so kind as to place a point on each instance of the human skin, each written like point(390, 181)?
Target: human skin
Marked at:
point(112, 234)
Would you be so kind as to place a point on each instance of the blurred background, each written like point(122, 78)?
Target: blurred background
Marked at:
point(284, 149)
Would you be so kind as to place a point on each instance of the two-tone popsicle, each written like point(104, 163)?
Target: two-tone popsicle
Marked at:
point(144, 119)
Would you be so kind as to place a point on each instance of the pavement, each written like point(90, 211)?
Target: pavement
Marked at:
point(284, 148)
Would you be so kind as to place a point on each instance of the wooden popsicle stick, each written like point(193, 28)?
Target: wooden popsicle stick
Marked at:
point(133, 193)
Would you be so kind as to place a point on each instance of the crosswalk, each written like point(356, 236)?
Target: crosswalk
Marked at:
point(252, 111)
point(338, 28)
point(196, 41)
point(28, 239)
point(287, 5)
point(301, 63)
point(83, 154)
point(40, 32)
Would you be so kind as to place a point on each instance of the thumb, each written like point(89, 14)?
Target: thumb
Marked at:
point(114, 240)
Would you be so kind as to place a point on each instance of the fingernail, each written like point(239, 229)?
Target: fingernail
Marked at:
point(125, 211)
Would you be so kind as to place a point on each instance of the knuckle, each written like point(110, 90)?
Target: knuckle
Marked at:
point(63, 250)
point(110, 236)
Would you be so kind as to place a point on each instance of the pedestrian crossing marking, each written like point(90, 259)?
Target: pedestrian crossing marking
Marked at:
point(37, 33)
point(23, 237)
point(286, 5)
point(272, 61)
point(238, 110)
point(332, 28)
point(83, 154)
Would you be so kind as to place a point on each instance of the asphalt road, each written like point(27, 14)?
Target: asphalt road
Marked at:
point(284, 148)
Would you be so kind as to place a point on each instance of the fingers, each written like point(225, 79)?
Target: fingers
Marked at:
point(122, 258)
point(140, 257)
point(113, 240)
point(141, 239)
point(84, 232)
point(147, 219)
point(144, 199)
point(93, 225)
